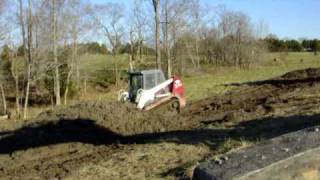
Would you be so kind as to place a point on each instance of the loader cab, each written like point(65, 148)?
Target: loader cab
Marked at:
point(143, 80)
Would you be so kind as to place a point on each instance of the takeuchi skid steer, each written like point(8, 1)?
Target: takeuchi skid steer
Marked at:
point(149, 89)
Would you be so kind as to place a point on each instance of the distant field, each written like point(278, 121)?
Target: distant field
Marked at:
point(212, 79)
point(91, 63)
point(198, 87)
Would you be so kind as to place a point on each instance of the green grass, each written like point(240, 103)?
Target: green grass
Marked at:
point(92, 63)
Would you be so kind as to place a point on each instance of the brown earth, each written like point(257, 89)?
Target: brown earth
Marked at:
point(103, 140)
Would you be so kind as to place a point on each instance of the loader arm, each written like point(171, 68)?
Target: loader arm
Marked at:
point(149, 95)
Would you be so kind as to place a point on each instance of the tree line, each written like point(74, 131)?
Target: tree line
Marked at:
point(291, 45)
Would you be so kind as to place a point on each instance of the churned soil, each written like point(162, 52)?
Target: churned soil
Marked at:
point(99, 140)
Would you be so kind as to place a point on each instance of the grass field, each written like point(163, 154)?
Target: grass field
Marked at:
point(212, 79)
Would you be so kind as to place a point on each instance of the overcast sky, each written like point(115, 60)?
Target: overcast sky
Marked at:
point(285, 18)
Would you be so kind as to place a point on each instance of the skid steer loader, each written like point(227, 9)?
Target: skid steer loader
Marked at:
point(148, 89)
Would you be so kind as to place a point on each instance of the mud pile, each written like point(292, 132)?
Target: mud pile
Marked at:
point(278, 96)
point(123, 119)
point(302, 74)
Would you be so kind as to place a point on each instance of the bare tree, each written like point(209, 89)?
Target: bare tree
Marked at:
point(75, 11)
point(3, 76)
point(177, 16)
point(262, 29)
point(55, 53)
point(139, 23)
point(196, 16)
point(131, 56)
point(74, 58)
point(139, 26)
point(14, 69)
point(109, 18)
point(166, 38)
point(16, 73)
point(3, 33)
point(237, 37)
point(11, 71)
point(29, 61)
point(200, 21)
point(5, 60)
point(38, 48)
point(156, 6)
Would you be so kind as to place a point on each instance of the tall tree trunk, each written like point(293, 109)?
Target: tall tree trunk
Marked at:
point(22, 28)
point(78, 73)
point(197, 52)
point(140, 50)
point(116, 70)
point(16, 79)
point(181, 72)
point(130, 63)
point(4, 101)
point(85, 85)
point(169, 68)
point(29, 62)
point(131, 56)
point(23, 35)
point(66, 91)
point(74, 59)
point(15, 76)
point(189, 52)
point(157, 34)
point(55, 53)
point(26, 99)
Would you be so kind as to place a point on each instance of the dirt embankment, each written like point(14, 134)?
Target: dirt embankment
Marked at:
point(59, 142)
point(250, 100)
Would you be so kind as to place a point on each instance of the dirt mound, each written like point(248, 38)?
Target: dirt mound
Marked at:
point(249, 101)
point(263, 98)
point(123, 119)
point(302, 74)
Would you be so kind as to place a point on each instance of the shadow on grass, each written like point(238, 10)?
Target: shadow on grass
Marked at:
point(87, 131)
point(63, 131)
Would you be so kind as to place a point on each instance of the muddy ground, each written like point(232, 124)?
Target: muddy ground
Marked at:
point(103, 140)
